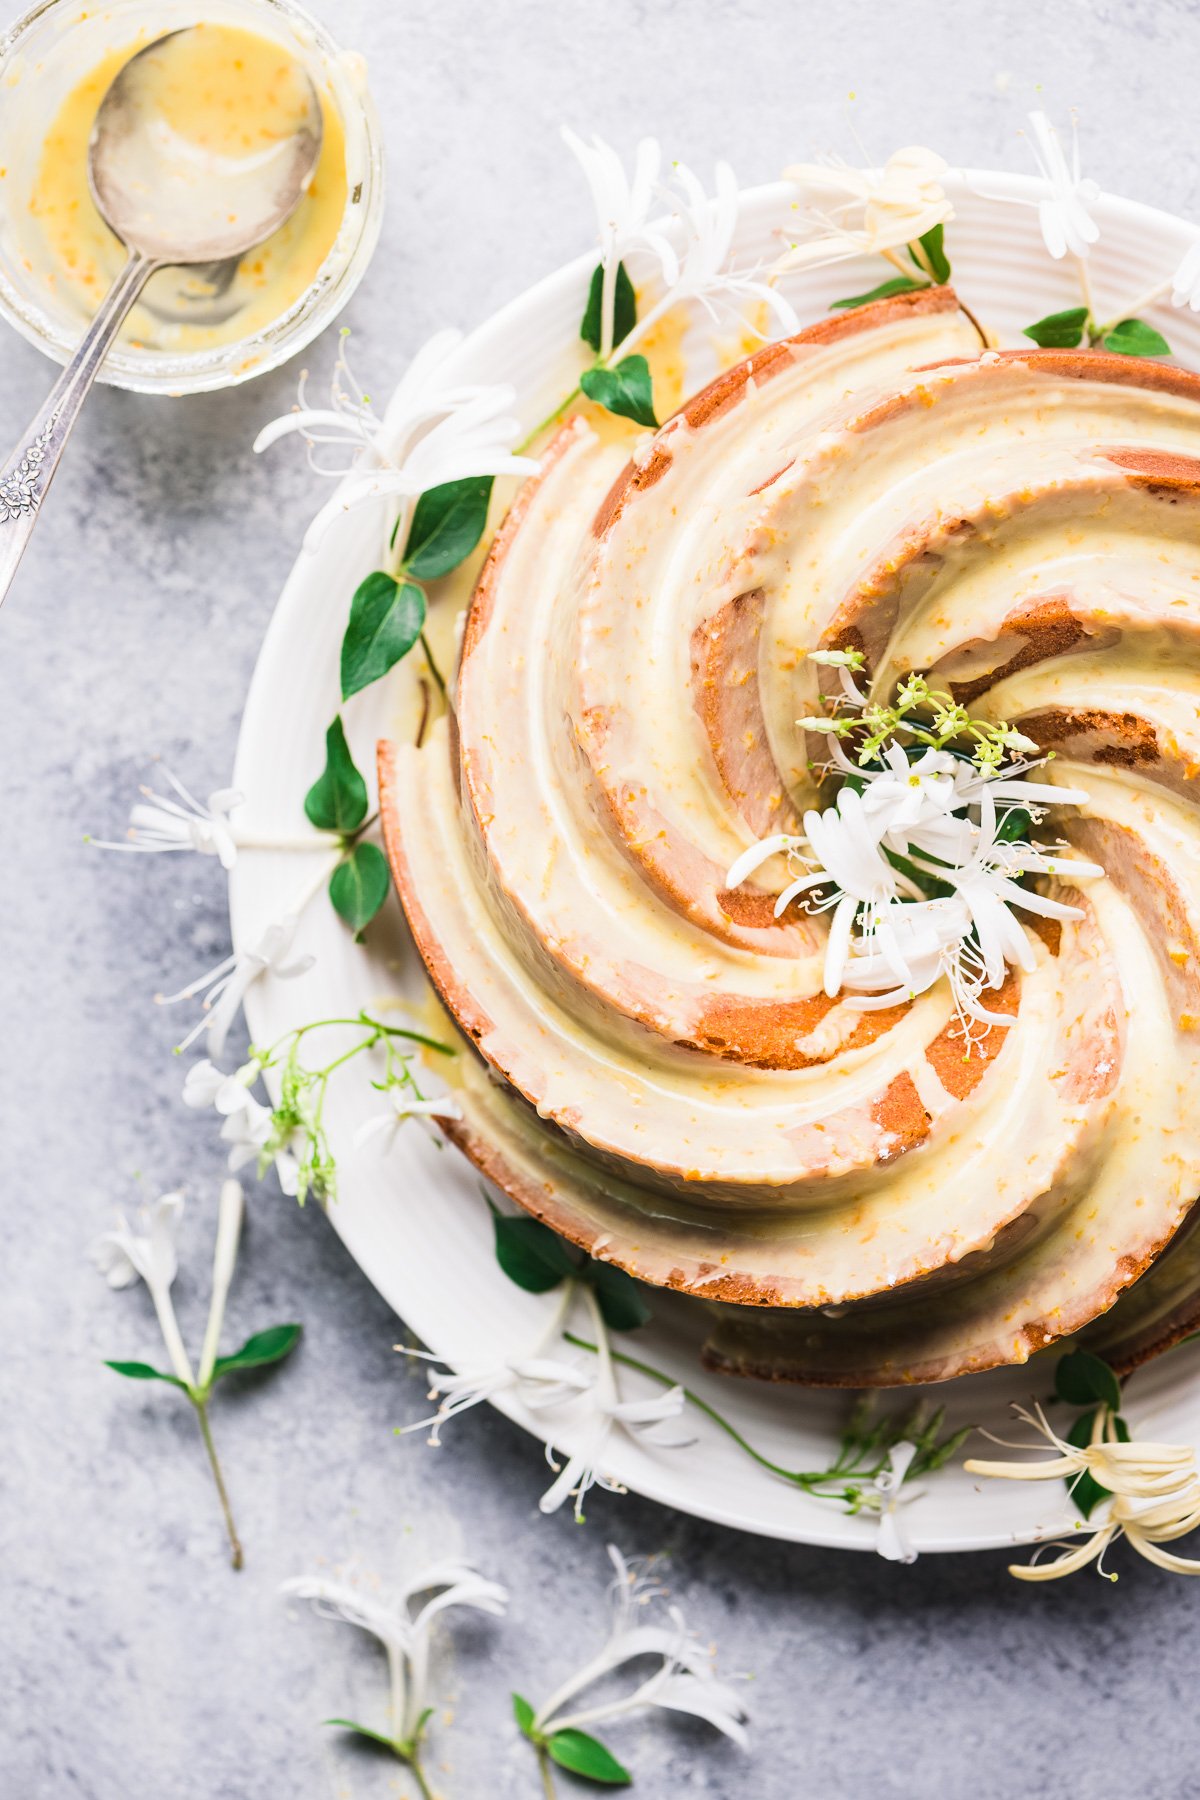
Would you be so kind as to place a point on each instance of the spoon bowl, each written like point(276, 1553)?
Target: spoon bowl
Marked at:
point(175, 198)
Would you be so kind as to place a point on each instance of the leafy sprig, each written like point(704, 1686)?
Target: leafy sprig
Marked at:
point(926, 715)
point(297, 1122)
point(571, 1749)
point(1075, 325)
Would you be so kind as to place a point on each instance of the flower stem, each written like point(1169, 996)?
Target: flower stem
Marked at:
point(548, 1787)
point(235, 1546)
point(414, 1763)
point(431, 664)
point(532, 437)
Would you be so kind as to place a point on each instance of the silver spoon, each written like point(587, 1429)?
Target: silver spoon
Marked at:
point(169, 205)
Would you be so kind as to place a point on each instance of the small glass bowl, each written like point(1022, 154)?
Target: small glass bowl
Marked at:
point(53, 47)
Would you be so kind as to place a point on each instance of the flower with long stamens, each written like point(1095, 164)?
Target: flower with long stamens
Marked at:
point(1155, 1492)
point(539, 1380)
point(226, 986)
point(684, 1681)
point(606, 1413)
point(159, 823)
point(623, 204)
point(866, 212)
point(433, 432)
point(1065, 199)
point(404, 1629)
point(147, 1252)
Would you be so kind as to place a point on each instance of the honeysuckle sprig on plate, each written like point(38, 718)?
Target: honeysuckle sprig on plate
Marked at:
point(702, 273)
point(877, 1456)
point(402, 1622)
point(292, 1134)
point(925, 853)
point(1149, 1492)
point(146, 1250)
point(644, 1628)
point(586, 1390)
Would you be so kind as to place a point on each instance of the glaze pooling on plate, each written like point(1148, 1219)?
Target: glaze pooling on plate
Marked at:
point(660, 1074)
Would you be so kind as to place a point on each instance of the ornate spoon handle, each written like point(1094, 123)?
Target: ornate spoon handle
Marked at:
point(28, 472)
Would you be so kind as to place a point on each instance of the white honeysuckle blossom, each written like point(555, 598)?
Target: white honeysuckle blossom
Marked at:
point(403, 1104)
point(1155, 1489)
point(433, 431)
point(1185, 283)
point(603, 1412)
point(231, 1211)
point(539, 1380)
point(937, 812)
point(247, 1131)
point(892, 1542)
point(225, 987)
point(866, 212)
point(684, 1681)
point(1066, 198)
point(147, 1252)
point(205, 1085)
point(158, 823)
point(623, 204)
point(403, 1629)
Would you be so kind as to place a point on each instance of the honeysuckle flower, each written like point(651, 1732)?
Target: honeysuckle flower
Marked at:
point(207, 1086)
point(225, 987)
point(705, 274)
point(1155, 1492)
point(605, 1412)
point(539, 1380)
point(230, 1213)
point(1063, 211)
point(434, 431)
point(248, 1132)
point(404, 1630)
point(125, 1254)
point(892, 1542)
point(403, 1104)
point(158, 823)
point(684, 1681)
point(623, 204)
point(147, 1252)
point(866, 212)
point(1185, 283)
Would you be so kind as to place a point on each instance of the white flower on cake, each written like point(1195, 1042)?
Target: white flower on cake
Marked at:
point(866, 212)
point(914, 817)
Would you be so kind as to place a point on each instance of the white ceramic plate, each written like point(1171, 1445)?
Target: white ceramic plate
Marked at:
point(415, 1220)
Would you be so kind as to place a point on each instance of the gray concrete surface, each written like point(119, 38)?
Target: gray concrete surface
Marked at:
point(134, 1664)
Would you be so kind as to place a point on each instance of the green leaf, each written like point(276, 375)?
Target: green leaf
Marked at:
point(626, 390)
point(899, 284)
point(1060, 330)
point(1014, 824)
point(337, 800)
point(932, 245)
point(524, 1715)
point(386, 619)
point(359, 886)
point(136, 1371)
point(446, 526)
point(530, 1253)
point(587, 1756)
point(376, 1737)
point(624, 308)
point(1133, 337)
point(621, 1304)
point(269, 1346)
point(1081, 1379)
